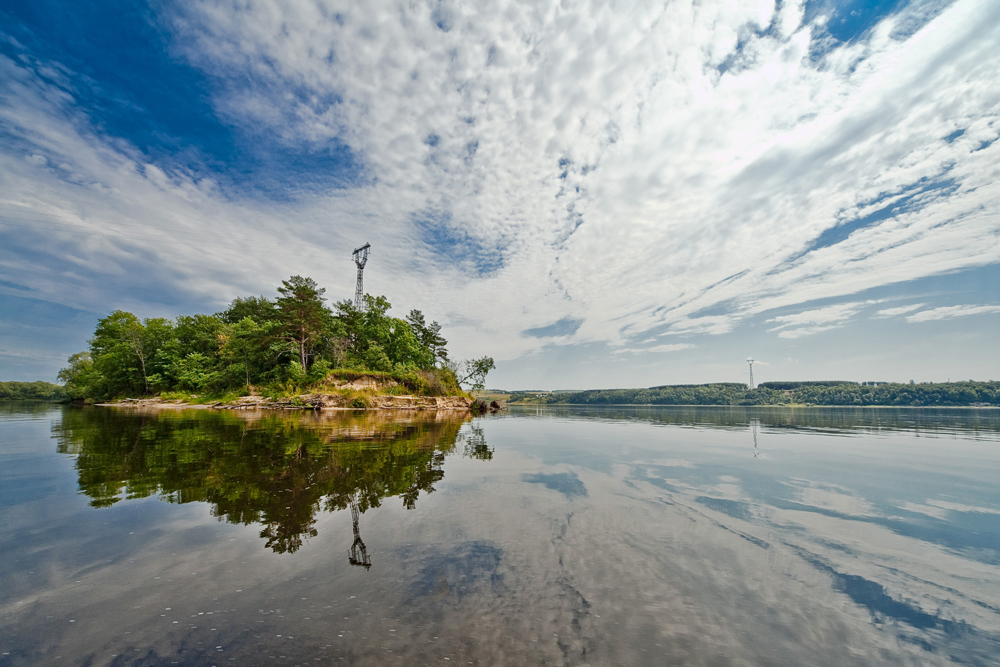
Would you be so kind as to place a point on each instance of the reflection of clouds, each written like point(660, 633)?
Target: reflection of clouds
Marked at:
point(722, 562)
point(929, 510)
point(672, 463)
point(928, 585)
point(832, 497)
point(959, 507)
point(940, 509)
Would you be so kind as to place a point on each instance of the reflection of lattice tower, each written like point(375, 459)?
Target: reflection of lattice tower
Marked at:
point(749, 361)
point(359, 553)
point(360, 258)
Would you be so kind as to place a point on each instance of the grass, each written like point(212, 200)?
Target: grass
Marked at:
point(429, 382)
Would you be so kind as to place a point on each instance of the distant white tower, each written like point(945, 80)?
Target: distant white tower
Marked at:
point(749, 360)
point(360, 258)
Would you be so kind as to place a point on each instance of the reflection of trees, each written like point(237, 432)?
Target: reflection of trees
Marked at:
point(475, 444)
point(837, 419)
point(276, 470)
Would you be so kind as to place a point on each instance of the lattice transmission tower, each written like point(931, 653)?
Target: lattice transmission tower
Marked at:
point(360, 258)
point(749, 361)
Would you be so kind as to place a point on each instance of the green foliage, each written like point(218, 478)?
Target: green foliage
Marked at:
point(303, 317)
point(32, 391)
point(81, 378)
point(257, 308)
point(787, 386)
point(473, 372)
point(124, 351)
point(809, 393)
point(285, 345)
point(429, 335)
point(883, 393)
point(379, 342)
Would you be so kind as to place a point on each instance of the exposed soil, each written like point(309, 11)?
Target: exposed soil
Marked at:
point(311, 402)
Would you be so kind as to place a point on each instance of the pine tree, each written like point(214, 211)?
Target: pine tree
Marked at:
point(302, 314)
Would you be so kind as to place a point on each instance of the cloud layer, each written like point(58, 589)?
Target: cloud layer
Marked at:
point(631, 168)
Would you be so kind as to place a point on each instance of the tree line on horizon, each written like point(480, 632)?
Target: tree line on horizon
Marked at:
point(837, 392)
point(287, 343)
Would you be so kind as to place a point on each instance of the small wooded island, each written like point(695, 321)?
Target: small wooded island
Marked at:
point(292, 351)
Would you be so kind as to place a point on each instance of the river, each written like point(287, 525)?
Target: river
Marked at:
point(542, 536)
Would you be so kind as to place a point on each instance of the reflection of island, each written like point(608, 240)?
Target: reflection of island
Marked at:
point(275, 470)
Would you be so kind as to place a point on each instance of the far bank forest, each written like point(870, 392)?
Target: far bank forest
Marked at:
point(832, 392)
point(276, 347)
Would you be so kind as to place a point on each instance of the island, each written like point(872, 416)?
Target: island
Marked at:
point(292, 351)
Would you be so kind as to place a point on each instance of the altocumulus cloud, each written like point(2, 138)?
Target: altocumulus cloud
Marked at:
point(630, 168)
point(815, 321)
point(948, 312)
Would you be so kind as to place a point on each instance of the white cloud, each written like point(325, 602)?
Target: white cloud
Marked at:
point(656, 348)
point(893, 312)
point(815, 321)
point(633, 166)
point(680, 176)
point(948, 312)
point(669, 348)
point(806, 331)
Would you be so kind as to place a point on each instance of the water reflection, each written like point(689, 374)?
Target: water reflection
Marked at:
point(275, 470)
point(835, 420)
point(609, 536)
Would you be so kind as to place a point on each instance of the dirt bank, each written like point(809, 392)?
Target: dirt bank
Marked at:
point(310, 402)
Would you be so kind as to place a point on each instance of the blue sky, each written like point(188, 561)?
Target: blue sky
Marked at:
point(598, 194)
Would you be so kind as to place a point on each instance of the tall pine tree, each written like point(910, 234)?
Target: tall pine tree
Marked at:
point(302, 315)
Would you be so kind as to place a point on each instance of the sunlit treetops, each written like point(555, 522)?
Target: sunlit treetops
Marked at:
point(293, 340)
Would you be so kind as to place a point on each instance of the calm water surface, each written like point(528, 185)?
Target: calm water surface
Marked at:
point(617, 536)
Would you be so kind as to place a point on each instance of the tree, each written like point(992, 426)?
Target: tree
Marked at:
point(429, 335)
point(192, 335)
point(473, 372)
point(122, 348)
point(302, 315)
point(258, 308)
point(379, 341)
point(242, 345)
point(80, 377)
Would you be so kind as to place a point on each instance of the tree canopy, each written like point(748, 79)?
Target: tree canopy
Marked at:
point(292, 340)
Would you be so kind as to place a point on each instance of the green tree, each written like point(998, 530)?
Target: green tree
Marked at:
point(429, 335)
point(244, 348)
point(473, 372)
point(80, 377)
point(199, 335)
point(302, 315)
point(381, 342)
point(258, 308)
point(122, 348)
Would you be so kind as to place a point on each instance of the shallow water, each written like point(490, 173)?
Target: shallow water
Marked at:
point(695, 536)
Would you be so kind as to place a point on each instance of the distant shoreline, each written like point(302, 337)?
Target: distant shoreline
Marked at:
point(827, 393)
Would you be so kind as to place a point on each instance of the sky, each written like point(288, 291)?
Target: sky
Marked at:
point(596, 194)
